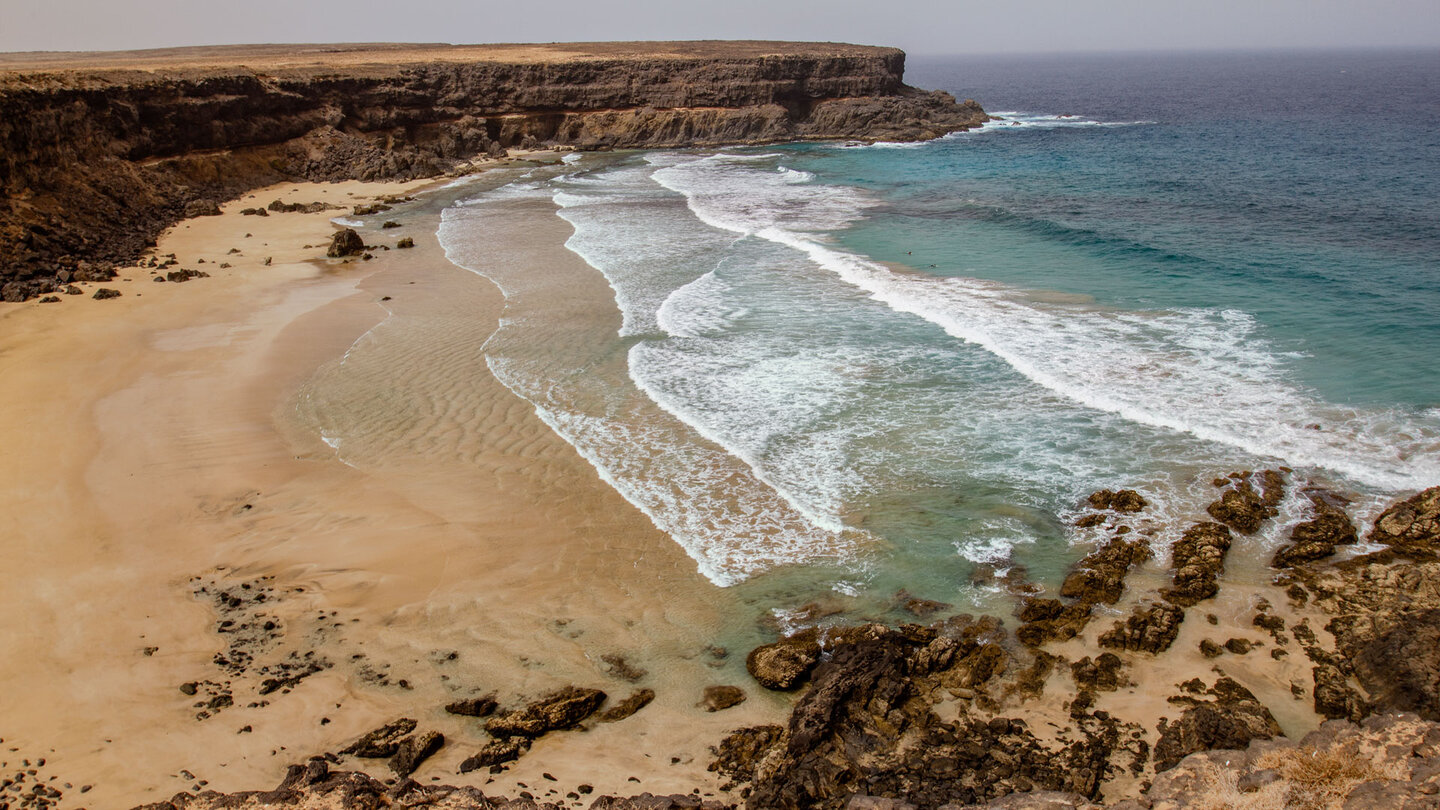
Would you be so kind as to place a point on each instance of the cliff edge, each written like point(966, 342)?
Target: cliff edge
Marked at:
point(100, 152)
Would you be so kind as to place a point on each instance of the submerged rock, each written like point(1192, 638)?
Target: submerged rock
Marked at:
point(638, 700)
point(718, 698)
point(496, 752)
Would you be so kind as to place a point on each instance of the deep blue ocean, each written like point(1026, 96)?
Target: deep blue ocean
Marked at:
point(854, 368)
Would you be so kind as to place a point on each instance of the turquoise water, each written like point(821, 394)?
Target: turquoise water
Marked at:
point(843, 370)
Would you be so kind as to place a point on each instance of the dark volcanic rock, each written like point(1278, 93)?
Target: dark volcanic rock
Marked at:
point(345, 243)
point(1100, 576)
point(1241, 508)
point(1150, 628)
point(414, 750)
point(786, 663)
point(1199, 558)
point(1051, 620)
point(1102, 674)
point(474, 707)
point(104, 292)
point(1334, 699)
point(406, 242)
point(1400, 666)
point(1231, 720)
point(1126, 501)
point(638, 700)
point(1316, 539)
point(1412, 526)
point(496, 752)
point(718, 698)
point(558, 710)
point(383, 741)
point(201, 208)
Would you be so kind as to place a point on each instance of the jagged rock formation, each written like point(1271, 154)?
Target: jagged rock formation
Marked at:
point(100, 152)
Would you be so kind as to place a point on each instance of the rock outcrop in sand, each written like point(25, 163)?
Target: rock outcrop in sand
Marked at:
point(100, 152)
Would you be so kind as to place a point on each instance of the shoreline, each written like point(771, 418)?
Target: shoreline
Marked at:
point(180, 474)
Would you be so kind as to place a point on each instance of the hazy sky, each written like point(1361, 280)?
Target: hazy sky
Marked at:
point(919, 26)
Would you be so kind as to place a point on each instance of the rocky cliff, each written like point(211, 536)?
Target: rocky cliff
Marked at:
point(100, 152)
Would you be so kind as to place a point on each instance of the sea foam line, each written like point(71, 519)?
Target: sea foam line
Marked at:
point(1144, 353)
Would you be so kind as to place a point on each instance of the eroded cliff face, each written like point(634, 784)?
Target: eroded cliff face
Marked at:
point(100, 152)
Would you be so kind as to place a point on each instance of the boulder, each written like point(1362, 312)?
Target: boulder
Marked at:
point(1411, 526)
point(473, 707)
point(345, 243)
point(1400, 665)
point(405, 242)
point(1231, 720)
point(1198, 558)
point(104, 293)
point(496, 752)
point(1241, 508)
point(786, 663)
point(638, 700)
point(1126, 501)
point(1150, 628)
point(718, 698)
point(1333, 697)
point(1100, 576)
point(1316, 539)
point(383, 741)
point(558, 710)
point(201, 208)
point(413, 750)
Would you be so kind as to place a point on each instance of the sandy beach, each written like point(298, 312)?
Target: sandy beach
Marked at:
point(154, 456)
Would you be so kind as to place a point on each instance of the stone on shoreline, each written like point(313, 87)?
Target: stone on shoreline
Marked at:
point(1316, 539)
point(1150, 628)
point(785, 664)
point(630, 705)
point(414, 750)
point(1199, 558)
point(496, 752)
point(473, 707)
point(383, 741)
point(1411, 526)
point(1231, 720)
point(345, 243)
point(1125, 501)
point(718, 698)
point(558, 710)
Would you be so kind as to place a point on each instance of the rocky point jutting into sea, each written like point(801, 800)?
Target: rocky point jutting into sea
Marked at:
point(100, 152)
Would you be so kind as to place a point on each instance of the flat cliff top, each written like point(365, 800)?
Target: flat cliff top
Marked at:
point(385, 58)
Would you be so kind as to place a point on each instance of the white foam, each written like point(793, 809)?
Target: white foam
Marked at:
point(1204, 372)
point(347, 222)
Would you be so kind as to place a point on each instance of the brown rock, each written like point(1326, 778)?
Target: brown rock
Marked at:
point(1231, 720)
point(1411, 526)
point(638, 700)
point(414, 750)
point(104, 293)
point(558, 710)
point(718, 698)
point(1316, 539)
point(1150, 628)
point(345, 242)
point(786, 663)
point(1241, 508)
point(383, 741)
point(496, 752)
point(1198, 558)
point(474, 707)
point(1125, 501)
point(1100, 576)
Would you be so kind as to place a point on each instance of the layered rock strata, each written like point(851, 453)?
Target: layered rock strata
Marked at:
point(101, 152)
